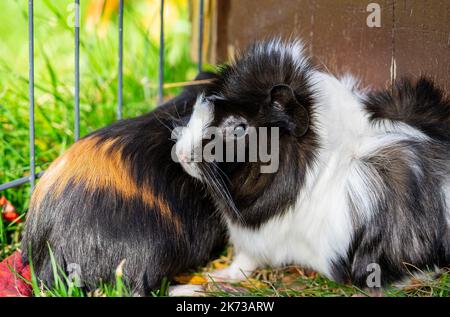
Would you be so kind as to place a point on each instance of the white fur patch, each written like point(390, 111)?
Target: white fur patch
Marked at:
point(291, 50)
point(189, 142)
point(446, 191)
point(186, 290)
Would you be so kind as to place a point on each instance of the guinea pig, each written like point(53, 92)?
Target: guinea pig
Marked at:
point(361, 189)
point(116, 195)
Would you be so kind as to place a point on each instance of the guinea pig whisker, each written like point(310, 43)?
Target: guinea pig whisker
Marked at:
point(218, 187)
point(165, 125)
point(221, 172)
point(178, 114)
point(174, 119)
point(220, 182)
point(219, 191)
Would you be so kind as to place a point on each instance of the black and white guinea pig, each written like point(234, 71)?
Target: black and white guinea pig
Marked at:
point(117, 195)
point(363, 178)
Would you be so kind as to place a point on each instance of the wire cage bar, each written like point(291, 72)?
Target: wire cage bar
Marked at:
point(161, 56)
point(77, 71)
point(31, 178)
point(120, 69)
point(200, 36)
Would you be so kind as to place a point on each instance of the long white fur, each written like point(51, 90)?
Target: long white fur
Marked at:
point(190, 139)
point(319, 228)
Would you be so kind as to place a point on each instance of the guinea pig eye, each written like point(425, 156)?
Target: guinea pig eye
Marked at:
point(239, 130)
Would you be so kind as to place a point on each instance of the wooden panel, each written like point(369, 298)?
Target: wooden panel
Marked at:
point(413, 37)
point(422, 39)
point(245, 21)
point(343, 42)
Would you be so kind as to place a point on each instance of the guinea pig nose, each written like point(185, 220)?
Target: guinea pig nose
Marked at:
point(183, 158)
point(186, 157)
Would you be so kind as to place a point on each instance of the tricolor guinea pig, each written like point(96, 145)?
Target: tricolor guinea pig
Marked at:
point(116, 195)
point(358, 180)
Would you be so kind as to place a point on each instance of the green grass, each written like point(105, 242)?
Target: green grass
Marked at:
point(55, 121)
point(318, 286)
point(285, 282)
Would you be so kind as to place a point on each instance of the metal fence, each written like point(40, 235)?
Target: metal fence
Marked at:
point(32, 177)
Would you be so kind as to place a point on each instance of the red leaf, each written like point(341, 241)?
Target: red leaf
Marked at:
point(8, 211)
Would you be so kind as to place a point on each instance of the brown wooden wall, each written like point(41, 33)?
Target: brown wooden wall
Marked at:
point(414, 37)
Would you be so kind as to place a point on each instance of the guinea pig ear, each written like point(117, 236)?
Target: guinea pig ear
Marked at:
point(282, 98)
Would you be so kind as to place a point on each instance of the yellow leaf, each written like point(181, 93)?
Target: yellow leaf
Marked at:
point(191, 279)
point(197, 280)
point(219, 265)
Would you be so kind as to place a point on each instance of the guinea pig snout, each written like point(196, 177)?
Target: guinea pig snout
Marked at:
point(185, 156)
point(188, 146)
point(187, 152)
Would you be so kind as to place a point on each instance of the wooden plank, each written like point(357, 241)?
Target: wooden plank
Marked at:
point(422, 39)
point(414, 36)
point(335, 32)
point(243, 22)
point(344, 43)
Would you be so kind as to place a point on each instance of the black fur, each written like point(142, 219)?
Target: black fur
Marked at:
point(420, 104)
point(247, 86)
point(97, 229)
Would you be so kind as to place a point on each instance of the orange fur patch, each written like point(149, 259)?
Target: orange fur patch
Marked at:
point(98, 166)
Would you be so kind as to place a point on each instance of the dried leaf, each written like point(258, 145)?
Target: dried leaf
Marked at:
point(194, 279)
point(219, 265)
point(254, 283)
point(225, 287)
